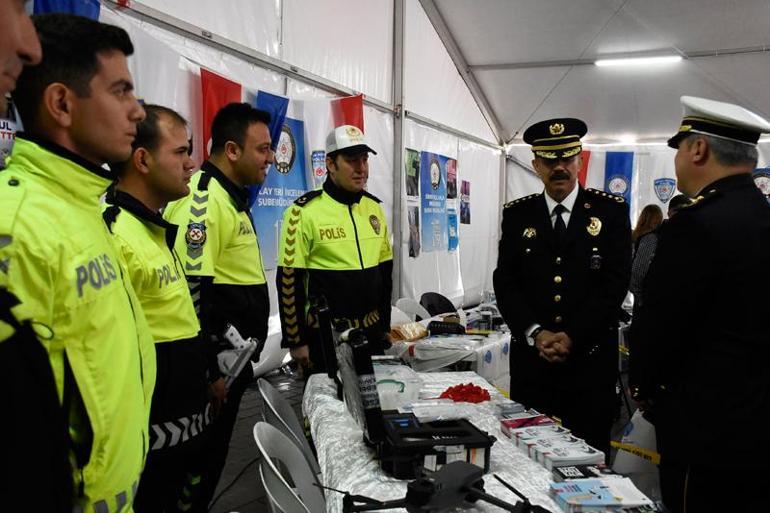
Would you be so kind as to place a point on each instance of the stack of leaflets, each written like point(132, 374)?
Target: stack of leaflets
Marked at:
point(540, 448)
point(574, 454)
point(524, 419)
point(600, 495)
point(582, 472)
point(526, 434)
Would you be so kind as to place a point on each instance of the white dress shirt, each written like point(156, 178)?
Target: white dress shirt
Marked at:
point(568, 202)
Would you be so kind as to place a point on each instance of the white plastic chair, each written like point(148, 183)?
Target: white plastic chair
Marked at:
point(274, 447)
point(398, 317)
point(412, 308)
point(279, 413)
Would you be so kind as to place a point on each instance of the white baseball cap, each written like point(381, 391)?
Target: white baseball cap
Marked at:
point(348, 138)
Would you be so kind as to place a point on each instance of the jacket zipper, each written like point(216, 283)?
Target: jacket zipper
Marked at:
point(355, 230)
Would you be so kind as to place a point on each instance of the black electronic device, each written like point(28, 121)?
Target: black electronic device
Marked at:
point(320, 310)
point(445, 328)
point(410, 446)
point(456, 484)
point(359, 384)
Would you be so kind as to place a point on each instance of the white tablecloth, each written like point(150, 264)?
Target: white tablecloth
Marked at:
point(347, 464)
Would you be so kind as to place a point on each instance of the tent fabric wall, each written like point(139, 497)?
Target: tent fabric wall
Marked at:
point(432, 86)
point(437, 271)
point(464, 274)
point(348, 42)
point(256, 25)
point(478, 241)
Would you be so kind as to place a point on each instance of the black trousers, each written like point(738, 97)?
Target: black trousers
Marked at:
point(217, 442)
point(705, 489)
point(171, 479)
point(171, 475)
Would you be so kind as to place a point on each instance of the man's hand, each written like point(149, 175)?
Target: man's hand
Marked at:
point(301, 354)
point(553, 347)
point(544, 342)
point(562, 346)
point(218, 393)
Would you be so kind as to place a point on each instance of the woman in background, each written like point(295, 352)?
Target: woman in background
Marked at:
point(649, 219)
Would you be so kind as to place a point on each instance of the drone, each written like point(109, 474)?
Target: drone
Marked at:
point(453, 485)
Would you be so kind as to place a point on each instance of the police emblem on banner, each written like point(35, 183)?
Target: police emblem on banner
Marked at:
point(435, 174)
point(318, 160)
point(375, 223)
point(196, 235)
point(286, 151)
point(664, 189)
point(618, 184)
point(762, 180)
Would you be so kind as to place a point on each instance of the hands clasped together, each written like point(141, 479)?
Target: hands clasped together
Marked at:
point(553, 347)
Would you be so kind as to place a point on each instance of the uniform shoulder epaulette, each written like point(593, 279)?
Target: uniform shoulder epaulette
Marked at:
point(303, 200)
point(701, 199)
point(520, 200)
point(606, 195)
point(372, 197)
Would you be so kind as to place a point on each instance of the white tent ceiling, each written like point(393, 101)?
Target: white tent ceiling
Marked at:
point(528, 60)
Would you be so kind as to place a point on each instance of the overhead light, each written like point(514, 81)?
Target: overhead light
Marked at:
point(627, 138)
point(639, 61)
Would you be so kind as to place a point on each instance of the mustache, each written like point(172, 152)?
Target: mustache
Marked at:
point(559, 175)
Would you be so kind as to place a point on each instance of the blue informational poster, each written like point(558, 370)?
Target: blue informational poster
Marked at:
point(435, 234)
point(286, 181)
point(454, 235)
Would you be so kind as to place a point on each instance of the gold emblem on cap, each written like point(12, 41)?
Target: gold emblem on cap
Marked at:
point(353, 131)
point(556, 129)
point(685, 128)
point(529, 233)
point(594, 227)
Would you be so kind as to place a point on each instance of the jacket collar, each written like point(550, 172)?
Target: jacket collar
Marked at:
point(341, 195)
point(130, 204)
point(729, 183)
point(53, 163)
point(240, 195)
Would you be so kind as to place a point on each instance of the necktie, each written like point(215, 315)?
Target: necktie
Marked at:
point(559, 227)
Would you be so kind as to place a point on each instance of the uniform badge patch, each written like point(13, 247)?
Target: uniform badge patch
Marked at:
point(196, 235)
point(375, 223)
point(594, 227)
point(529, 233)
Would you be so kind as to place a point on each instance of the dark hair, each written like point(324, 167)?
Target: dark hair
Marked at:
point(231, 123)
point(649, 219)
point(70, 47)
point(148, 131)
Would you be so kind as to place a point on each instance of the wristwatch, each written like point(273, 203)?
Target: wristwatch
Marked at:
point(533, 335)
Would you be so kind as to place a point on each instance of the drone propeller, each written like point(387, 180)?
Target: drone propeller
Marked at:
point(526, 506)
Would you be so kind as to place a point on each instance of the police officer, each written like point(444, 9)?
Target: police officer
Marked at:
point(159, 171)
point(60, 261)
point(222, 261)
point(703, 352)
point(335, 244)
point(562, 273)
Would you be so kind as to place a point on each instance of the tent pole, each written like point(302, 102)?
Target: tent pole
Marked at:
point(398, 146)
